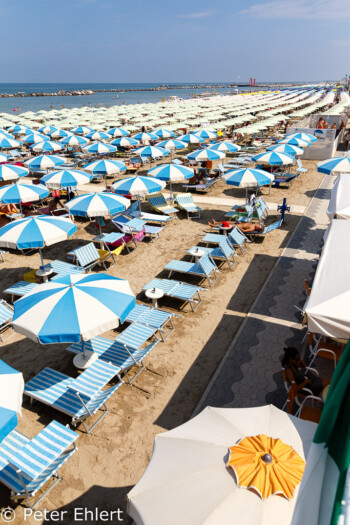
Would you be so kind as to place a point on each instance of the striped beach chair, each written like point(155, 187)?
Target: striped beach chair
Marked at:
point(266, 230)
point(149, 316)
point(188, 293)
point(6, 314)
point(135, 213)
point(236, 238)
point(127, 225)
point(20, 289)
point(204, 267)
point(26, 465)
point(185, 202)
point(115, 352)
point(224, 252)
point(79, 398)
point(63, 268)
point(159, 203)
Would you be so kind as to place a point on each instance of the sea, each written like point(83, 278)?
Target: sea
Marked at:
point(8, 105)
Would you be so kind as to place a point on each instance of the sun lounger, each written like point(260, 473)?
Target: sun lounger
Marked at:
point(20, 289)
point(26, 465)
point(300, 168)
point(89, 256)
point(149, 316)
point(62, 268)
point(135, 213)
point(120, 355)
point(159, 203)
point(204, 267)
point(6, 314)
point(79, 398)
point(266, 230)
point(206, 186)
point(224, 252)
point(125, 225)
point(185, 202)
point(235, 238)
point(178, 290)
point(240, 211)
point(287, 179)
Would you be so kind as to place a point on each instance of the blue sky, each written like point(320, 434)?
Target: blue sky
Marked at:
point(166, 41)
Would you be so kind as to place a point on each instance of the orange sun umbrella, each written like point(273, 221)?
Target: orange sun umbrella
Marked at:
point(266, 466)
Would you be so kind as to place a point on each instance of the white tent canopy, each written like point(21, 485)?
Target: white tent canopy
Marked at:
point(339, 205)
point(327, 308)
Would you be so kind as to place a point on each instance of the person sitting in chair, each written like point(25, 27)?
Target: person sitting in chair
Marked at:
point(245, 227)
point(297, 373)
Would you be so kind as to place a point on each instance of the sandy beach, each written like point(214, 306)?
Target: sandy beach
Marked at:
point(112, 458)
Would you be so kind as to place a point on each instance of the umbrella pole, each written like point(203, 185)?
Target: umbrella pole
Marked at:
point(41, 258)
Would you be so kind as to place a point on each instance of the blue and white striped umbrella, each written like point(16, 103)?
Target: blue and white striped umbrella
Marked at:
point(60, 133)
point(3, 158)
point(82, 130)
point(334, 165)
point(46, 146)
point(22, 193)
point(302, 136)
point(18, 128)
point(12, 172)
point(5, 135)
point(34, 138)
point(11, 394)
point(66, 179)
point(171, 173)
point(164, 133)
point(247, 178)
point(118, 132)
point(226, 147)
point(74, 140)
point(47, 129)
point(206, 134)
point(98, 135)
point(7, 143)
point(190, 138)
point(99, 147)
point(172, 145)
point(274, 158)
point(138, 186)
point(206, 154)
point(44, 162)
point(97, 205)
point(73, 308)
point(145, 136)
point(295, 142)
point(36, 232)
point(125, 142)
point(286, 148)
point(152, 152)
point(105, 167)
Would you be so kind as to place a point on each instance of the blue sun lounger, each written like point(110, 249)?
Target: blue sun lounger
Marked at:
point(20, 289)
point(176, 289)
point(6, 314)
point(204, 267)
point(150, 316)
point(185, 202)
point(127, 225)
point(79, 398)
point(266, 230)
point(224, 252)
point(159, 203)
point(26, 465)
point(115, 352)
point(134, 213)
point(236, 238)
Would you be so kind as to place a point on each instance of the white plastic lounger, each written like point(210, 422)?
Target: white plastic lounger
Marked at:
point(79, 398)
point(224, 252)
point(26, 465)
point(117, 353)
point(205, 267)
point(178, 290)
point(300, 168)
point(6, 314)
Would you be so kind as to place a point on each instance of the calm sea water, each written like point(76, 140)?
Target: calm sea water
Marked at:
point(107, 99)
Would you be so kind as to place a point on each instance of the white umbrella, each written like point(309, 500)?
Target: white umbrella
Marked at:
point(188, 482)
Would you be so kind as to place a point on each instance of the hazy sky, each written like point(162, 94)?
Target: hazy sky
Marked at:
point(173, 41)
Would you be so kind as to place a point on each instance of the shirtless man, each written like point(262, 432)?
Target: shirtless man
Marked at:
point(245, 227)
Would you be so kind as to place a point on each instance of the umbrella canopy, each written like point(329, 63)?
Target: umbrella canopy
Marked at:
point(118, 132)
point(286, 148)
point(206, 134)
point(82, 130)
point(59, 133)
point(44, 162)
point(105, 167)
point(74, 140)
point(226, 147)
point(125, 142)
point(99, 147)
point(273, 158)
point(334, 165)
point(188, 480)
point(12, 172)
point(295, 142)
point(145, 136)
point(8, 143)
point(96, 205)
point(73, 308)
point(46, 146)
point(247, 178)
point(66, 179)
point(172, 145)
point(171, 173)
point(34, 138)
point(152, 152)
point(3, 158)
point(11, 393)
point(164, 133)
point(98, 135)
point(303, 136)
point(138, 186)
point(190, 138)
point(21, 193)
point(36, 232)
point(206, 154)
point(47, 129)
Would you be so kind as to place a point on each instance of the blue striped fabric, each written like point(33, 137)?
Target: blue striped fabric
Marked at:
point(224, 251)
point(87, 254)
point(150, 217)
point(149, 316)
point(6, 313)
point(63, 268)
point(21, 288)
point(204, 267)
point(173, 288)
point(136, 335)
